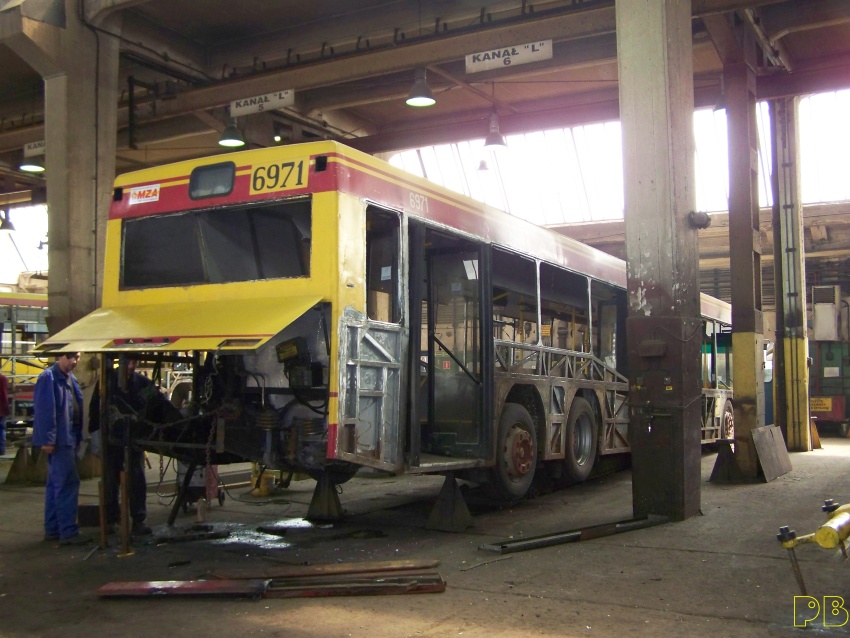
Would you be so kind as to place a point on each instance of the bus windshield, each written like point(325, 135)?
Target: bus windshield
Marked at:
point(240, 243)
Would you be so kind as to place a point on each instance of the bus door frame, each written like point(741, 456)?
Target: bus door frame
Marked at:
point(419, 273)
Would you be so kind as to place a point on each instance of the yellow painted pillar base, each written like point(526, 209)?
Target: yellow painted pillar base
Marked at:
point(748, 382)
point(797, 395)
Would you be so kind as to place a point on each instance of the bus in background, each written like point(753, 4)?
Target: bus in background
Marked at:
point(22, 327)
point(718, 419)
point(333, 312)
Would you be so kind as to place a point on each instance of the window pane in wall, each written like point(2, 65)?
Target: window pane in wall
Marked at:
point(824, 140)
point(711, 162)
point(575, 175)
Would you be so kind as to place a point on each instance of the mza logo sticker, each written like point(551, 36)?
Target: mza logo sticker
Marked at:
point(142, 194)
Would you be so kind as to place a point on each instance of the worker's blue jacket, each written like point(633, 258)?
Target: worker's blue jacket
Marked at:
point(58, 421)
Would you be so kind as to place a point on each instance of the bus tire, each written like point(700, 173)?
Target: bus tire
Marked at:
point(516, 455)
point(581, 439)
point(728, 425)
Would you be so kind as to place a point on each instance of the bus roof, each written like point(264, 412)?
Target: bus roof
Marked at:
point(359, 174)
point(369, 178)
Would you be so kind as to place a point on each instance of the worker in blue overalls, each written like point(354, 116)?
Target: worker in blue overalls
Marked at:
point(57, 429)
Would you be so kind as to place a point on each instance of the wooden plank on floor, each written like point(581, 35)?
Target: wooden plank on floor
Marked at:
point(422, 583)
point(322, 569)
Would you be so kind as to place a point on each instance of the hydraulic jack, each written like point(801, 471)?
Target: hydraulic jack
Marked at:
point(832, 534)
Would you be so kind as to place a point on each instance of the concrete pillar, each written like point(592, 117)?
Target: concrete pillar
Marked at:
point(791, 351)
point(79, 65)
point(664, 327)
point(745, 255)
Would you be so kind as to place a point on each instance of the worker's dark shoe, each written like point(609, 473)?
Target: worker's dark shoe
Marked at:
point(140, 529)
point(50, 538)
point(78, 539)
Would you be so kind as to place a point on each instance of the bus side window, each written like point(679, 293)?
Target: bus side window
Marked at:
point(382, 253)
point(514, 298)
point(563, 296)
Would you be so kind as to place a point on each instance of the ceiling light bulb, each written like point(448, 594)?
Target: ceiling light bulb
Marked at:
point(6, 224)
point(494, 138)
point(231, 136)
point(420, 93)
point(32, 165)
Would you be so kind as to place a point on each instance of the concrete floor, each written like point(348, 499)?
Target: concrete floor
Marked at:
point(722, 573)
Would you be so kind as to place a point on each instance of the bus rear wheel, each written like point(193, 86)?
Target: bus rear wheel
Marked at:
point(516, 455)
point(582, 433)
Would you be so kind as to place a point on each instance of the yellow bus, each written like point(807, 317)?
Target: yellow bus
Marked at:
point(334, 312)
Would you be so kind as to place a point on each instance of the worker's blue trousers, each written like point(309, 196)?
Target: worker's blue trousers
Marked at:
point(60, 497)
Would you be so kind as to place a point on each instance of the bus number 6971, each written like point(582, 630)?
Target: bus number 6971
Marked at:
point(277, 176)
point(418, 202)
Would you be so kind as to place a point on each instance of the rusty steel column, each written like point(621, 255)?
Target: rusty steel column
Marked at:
point(664, 330)
point(745, 255)
point(791, 352)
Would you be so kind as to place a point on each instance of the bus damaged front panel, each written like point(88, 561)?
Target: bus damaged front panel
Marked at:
point(267, 405)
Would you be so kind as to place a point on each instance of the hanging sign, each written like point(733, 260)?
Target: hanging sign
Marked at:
point(509, 56)
point(260, 103)
point(33, 149)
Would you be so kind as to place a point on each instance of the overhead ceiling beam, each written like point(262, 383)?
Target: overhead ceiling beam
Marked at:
point(169, 51)
point(832, 74)
point(816, 255)
point(405, 23)
point(590, 23)
point(437, 50)
point(489, 97)
point(831, 214)
point(15, 197)
point(166, 131)
point(724, 38)
point(801, 15)
point(573, 54)
point(97, 11)
point(816, 79)
point(820, 233)
point(391, 60)
point(701, 8)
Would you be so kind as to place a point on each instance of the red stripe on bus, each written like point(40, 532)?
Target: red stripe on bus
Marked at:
point(332, 432)
point(174, 197)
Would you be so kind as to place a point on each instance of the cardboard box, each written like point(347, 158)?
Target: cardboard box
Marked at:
point(378, 305)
